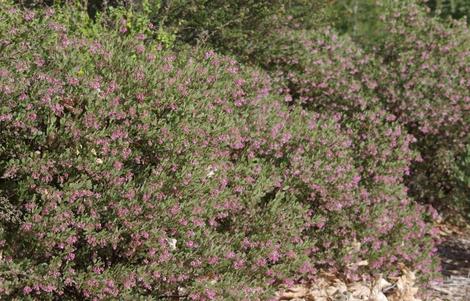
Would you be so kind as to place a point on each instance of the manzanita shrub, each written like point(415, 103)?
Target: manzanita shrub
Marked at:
point(137, 173)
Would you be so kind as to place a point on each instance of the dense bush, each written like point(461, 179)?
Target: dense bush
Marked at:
point(323, 72)
point(424, 81)
point(132, 171)
point(426, 86)
point(320, 71)
point(420, 83)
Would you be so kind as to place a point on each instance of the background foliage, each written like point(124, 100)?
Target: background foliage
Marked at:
point(456, 9)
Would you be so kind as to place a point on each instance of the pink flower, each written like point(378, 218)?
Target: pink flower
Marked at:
point(70, 256)
point(118, 165)
point(238, 264)
point(27, 290)
point(140, 49)
point(209, 54)
point(213, 260)
point(196, 263)
point(32, 116)
point(211, 295)
point(274, 256)
point(230, 255)
point(26, 227)
point(29, 15)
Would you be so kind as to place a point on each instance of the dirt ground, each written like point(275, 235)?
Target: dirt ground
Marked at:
point(455, 256)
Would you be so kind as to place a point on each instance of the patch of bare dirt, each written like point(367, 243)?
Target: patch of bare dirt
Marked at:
point(454, 252)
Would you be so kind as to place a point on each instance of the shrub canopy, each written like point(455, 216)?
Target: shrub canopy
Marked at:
point(133, 171)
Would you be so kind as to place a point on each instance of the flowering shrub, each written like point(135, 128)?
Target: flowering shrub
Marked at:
point(419, 84)
point(135, 172)
point(426, 86)
point(323, 72)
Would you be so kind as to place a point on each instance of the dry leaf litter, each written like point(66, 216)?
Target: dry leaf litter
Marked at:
point(330, 288)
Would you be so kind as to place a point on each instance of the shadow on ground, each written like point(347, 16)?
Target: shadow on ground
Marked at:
point(454, 252)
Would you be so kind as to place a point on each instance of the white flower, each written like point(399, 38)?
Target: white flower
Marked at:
point(172, 243)
point(182, 290)
point(211, 171)
point(99, 161)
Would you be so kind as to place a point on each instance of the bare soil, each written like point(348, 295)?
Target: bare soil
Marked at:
point(454, 252)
